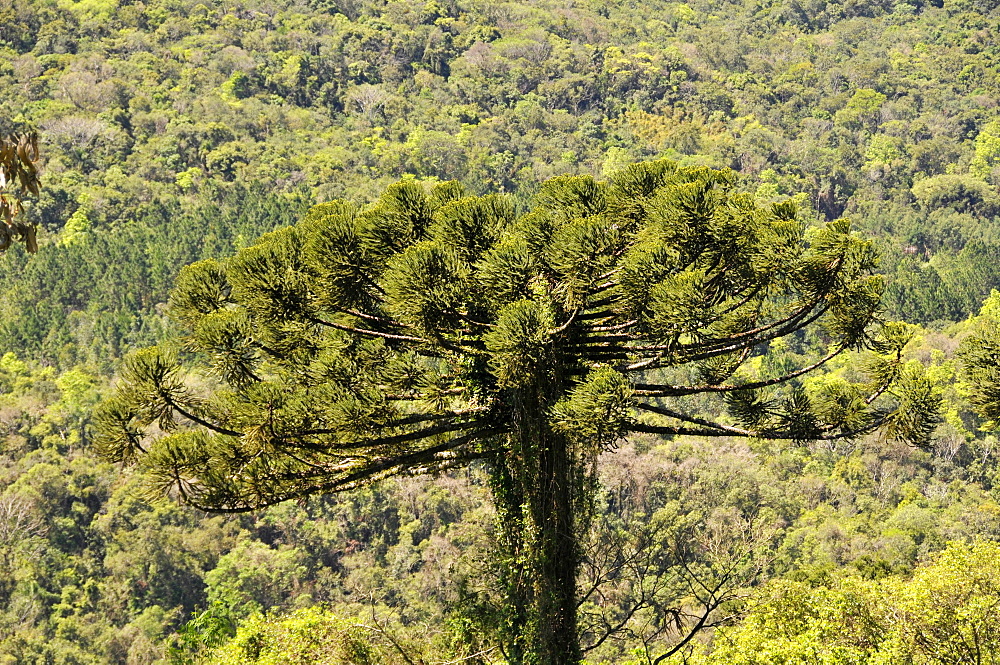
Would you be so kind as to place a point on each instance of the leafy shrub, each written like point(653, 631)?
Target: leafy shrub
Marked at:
point(306, 637)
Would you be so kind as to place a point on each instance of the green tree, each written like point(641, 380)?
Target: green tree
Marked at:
point(307, 636)
point(432, 330)
point(980, 354)
point(862, 109)
point(987, 150)
point(946, 613)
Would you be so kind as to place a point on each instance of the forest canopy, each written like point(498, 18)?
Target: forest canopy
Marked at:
point(174, 132)
point(145, 109)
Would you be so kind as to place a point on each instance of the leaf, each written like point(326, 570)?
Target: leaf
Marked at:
point(18, 154)
point(30, 242)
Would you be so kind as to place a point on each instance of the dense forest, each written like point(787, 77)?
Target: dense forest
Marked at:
point(175, 131)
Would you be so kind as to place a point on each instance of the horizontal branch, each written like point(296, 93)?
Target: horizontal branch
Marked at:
point(369, 333)
point(429, 460)
point(640, 428)
point(708, 353)
point(446, 428)
point(372, 317)
point(429, 417)
point(415, 397)
point(614, 328)
point(770, 435)
point(590, 316)
point(736, 431)
point(664, 390)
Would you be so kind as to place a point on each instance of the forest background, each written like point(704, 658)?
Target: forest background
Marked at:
point(174, 131)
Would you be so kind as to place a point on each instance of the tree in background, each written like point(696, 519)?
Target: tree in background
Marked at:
point(434, 330)
point(980, 354)
point(18, 178)
point(946, 613)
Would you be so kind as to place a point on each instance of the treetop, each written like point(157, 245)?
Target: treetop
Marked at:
point(411, 336)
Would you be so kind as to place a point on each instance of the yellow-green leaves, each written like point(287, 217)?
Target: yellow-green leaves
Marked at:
point(580, 252)
point(679, 304)
point(917, 413)
point(227, 336)
point(472, 225)
point(150, 390)
point(980, 353)
point(572, 196)
point(119, 438)
point(945, 614)
point(507, 271)
point(338, 256)
point(270, 279)
point(306, 636)
point(400, 218)
point(840, 264)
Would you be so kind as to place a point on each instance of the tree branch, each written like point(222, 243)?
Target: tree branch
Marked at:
point(369, 333)
point(693, 420)
point(719, 351)
point(445, 428)
point(218, 429)
point(432, 460)
point(664, 390)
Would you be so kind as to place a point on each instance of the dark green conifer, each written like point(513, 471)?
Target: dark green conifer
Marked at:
point(434, 329)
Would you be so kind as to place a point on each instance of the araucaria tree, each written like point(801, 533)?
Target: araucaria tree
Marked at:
point(434, 329)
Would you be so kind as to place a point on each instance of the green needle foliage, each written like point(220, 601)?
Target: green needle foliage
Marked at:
point(434, 329)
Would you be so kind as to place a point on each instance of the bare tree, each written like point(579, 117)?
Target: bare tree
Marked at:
point(657, 575)
point(19, 526)
point(76, 132)
point(368, 99)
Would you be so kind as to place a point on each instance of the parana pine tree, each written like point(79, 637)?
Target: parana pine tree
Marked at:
point(434, 329)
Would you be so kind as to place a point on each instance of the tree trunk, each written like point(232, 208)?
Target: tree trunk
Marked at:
point(534, 490)
point(553, 517)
